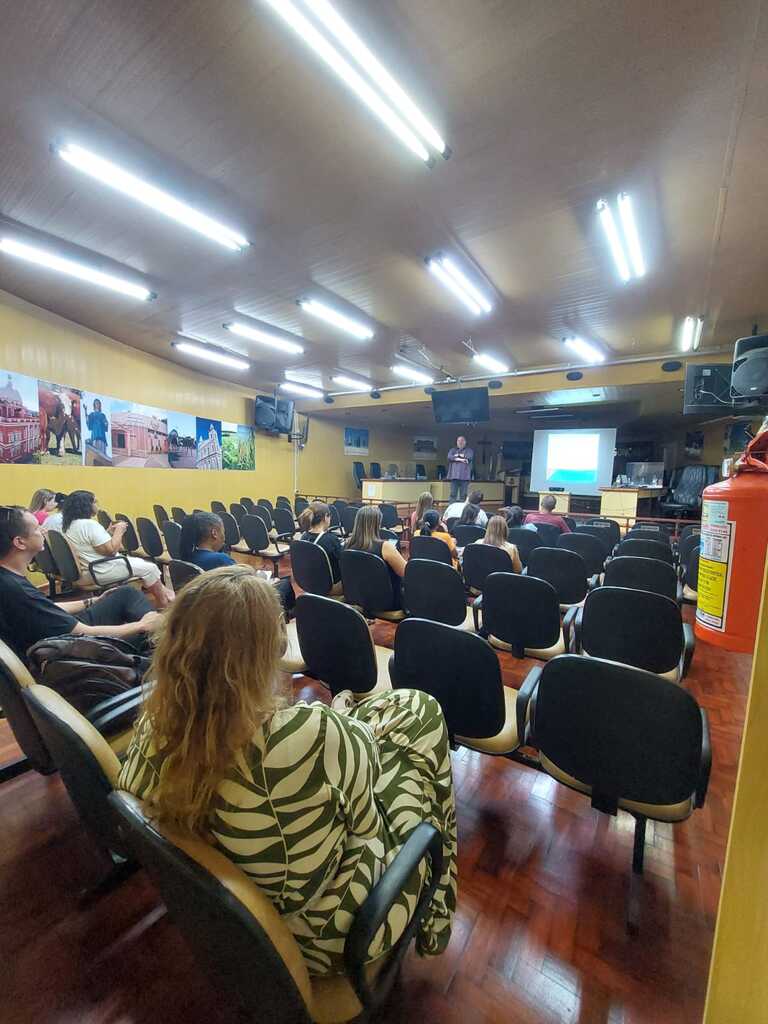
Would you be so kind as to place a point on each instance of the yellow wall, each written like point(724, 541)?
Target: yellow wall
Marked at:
point(738, 980)
point(42, 345)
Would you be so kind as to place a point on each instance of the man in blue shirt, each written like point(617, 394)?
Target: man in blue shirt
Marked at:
point(460, 461)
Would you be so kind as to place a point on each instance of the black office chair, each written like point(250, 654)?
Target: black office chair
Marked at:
point(358, 474)
point(15, 677)
point(610, 525)
point(520, 614)
point(285, 525)
point(686, 546)
point(85, 577)
point(688, 531)
point(430, 547)
point(266, 517)
point(104, 518)
point(390, 519)
point(45, 563)
point(312, 570)
point(570, 522)
point(603, 532)
point(644, 574)
point(634, 627)
point(435, 591)
point(339, 504)
point(131, 542)
point(421, 471)
point(375, 471)
point(233, 540)
point(256, 540)
point(217, 507)
point(524, 540)
point(248, 504)
point(161, 516)
point(172, 537)
point(691, 576)
point(336, 526)
point(467, 533)
point(625, 738)
point(649, 533)
point(591, 549)
point(241, 940)
point(178, 515)
point(462, 673)
point(151, 541)
point(565, 570)
point(348, 519)
point(337, 647)
point(480, 560)
point(367, 585)
point(237, 510)
point(684, 497)
point(267, 504)
point(548, 534)
point(299, 505)
point(282, 501)
point(645, 549)
point(441, 473)
point(182, 572)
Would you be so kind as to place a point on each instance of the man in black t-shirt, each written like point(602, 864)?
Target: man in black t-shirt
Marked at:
point(27, 615)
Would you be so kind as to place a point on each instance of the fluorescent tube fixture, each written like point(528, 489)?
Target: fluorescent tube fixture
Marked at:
point(461, 280)
point(403, 370)
point(264, 338)
point(332, 316)
point(690, 335)
point(300, 389)
point(494, 365)
point(625, 245)
point(337, 63)
point(585, 350)
point(110, 174)
point(614, 242)
point(43, 258)
point(356, 48)
point(629, 228)
point(446, 271)
point(352, 384)
point(211, 355)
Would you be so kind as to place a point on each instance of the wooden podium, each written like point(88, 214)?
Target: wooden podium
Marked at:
point(562, 501)
point(623, 502)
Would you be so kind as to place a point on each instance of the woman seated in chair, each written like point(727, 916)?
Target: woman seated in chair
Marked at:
point(202, 538)
point(496, 536)
point(366, 536)
point(432, 527)
point(92, 542)
point(312, 802)
point(515, 516)
point(424, 504)
point(470, 515)
point(42, 504)
point(315, 522)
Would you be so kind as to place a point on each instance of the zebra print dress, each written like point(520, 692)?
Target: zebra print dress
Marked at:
point(320, 803)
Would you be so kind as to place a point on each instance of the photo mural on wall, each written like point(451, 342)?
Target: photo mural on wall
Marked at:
point(50, 424)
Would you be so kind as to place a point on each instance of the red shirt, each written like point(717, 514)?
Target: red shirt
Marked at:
point(548, 517)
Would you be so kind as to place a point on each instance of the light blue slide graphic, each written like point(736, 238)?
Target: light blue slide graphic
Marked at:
point(572, 458)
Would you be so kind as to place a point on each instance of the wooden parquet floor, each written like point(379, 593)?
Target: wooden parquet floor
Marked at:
point(539, 934)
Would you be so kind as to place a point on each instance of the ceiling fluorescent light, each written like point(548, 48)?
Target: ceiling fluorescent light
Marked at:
point(462, 281)
point(436, 267)
point(350, 382)
point(212, 355)
point(614, 242)
point(264, 338)
point(494, 365)
point(337, 63)
point(64, 266)
point(332, 316)
point(403, 370)
point(300, 389)
point(629, 227)
point(690, 335)
point(114, 176)
point(585, 350)
point(354, 45)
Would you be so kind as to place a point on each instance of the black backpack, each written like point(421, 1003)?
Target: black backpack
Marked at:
point(87, 670)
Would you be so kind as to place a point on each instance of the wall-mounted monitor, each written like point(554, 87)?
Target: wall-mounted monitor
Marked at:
point(461, 405)
point(576, 461)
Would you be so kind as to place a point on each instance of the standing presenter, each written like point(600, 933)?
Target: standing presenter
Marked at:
point(460, 461)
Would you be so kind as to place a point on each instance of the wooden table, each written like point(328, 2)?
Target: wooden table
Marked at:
point(625, 502)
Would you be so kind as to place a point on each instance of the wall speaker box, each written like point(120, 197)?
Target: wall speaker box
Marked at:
point(749, 378)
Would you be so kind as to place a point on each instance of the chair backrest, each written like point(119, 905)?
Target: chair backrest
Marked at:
point(688, 531)
point(467, 533)
point(435, 591)
point(653, 526)
point(523, 611)
point(104, 518)
point(237, 510)
point(358, 474)
point(692, 568)
point(310, 567)
point(635, 573)
point(591, 549)
point(570, 522)
point(649, 533)
point(339, 504)
point(603, 532)
point(218, 507)
point(627, 734)
point(335, 518)
point(15, 678)
point(45, 562)
point(480, 560)
point(161, 516)
point(548, 533)
point(254, 533)
point(441, 472)
point(459, 669)
point(234, 930)
point(348, 518)
point(524, 540)
point(281, 501)
point(299, 505)
point(686, 545)
point(264, 515)
point(283, 521)
point(609, 524)
point(130, 537)
point(88, 766)
point(376, 471)
point(231, 528)
point(645, 549)
point(182, 572)
point(266, 503)
point(172, 536)
point(565, 570)
point(178, 515)
point(450, 523)
point(430, 547)
point(634, 627)
point(64, 556)
point(389, 517)
point(365, 581)
point(150, 538)
point(336, 644)
point(248, 504)
point(690, 482)
point(421, 471)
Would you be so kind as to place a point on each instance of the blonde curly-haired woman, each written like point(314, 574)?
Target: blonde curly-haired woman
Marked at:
point(313, 803)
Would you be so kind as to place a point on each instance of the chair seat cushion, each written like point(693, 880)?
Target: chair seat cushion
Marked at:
point(272, 552)
point(334, 1001)
point(292, 660)
point(393, 616)
point(506, 740)
point(542, 653)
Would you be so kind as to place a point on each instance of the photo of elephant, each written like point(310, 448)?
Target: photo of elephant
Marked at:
point(60, 435)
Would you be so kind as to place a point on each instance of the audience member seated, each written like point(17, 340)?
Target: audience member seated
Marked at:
point(456, 509)
point(315, 521)
point(547, 515)
point(470, 516)
point(42, 503)
point(424, 504)
point(366, 536)
point(202, 538)
point(496, 536)
point(218, 754)
point(55, 520)
point(515, 517)
point(91, 542)
point(431, 526)
point(27, 615)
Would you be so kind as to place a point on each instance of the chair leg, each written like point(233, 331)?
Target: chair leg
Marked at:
point(120, 871)
point(636, 878)
point(12, 769)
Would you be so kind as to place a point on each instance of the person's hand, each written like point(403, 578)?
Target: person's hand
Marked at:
point(150, 621)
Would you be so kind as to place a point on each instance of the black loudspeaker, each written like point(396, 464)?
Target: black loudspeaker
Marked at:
point(264, 412)
point(749, 377)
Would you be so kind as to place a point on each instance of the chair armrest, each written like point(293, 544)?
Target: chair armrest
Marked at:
point(689, 645)
point(679, 592)
point(477, 605)
point(523, 699)
point(112, 702)
point(121, 716)
point(569, 622)
point(104, 561)
point(706, 761)
point(424, 843)
point(593, 581)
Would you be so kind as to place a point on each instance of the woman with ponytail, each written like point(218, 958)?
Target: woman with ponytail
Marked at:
point(202, 538)
point(432, 527)
point(315, 523)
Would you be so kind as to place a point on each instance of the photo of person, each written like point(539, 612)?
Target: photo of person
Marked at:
point(60, 427)
point(19, 418)
point(96, 416)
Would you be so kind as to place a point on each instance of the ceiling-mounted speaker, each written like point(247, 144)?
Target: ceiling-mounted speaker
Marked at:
point(574, 375)
point(749, 376)
point(671, 366)
point(494, 385)
point(375, 394)
point(328, 400)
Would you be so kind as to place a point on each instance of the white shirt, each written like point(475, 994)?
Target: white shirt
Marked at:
point(55, 521)
point(86, 535)
point(455, 509)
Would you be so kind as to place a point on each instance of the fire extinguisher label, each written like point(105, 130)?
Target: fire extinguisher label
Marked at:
point(717, 536)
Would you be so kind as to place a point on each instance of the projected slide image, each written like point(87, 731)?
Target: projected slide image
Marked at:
point(572, 458)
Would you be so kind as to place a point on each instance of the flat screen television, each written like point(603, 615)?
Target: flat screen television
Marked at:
point(273, 414)
point(463, 405)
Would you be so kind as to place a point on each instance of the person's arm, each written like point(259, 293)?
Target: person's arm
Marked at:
point(453, 455)
point(115, 543)
point(147, 624)
point(514, 554)
point(564, 527)
point(393, 558)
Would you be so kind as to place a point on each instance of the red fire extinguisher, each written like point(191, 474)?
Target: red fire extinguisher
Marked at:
point(734, 538)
